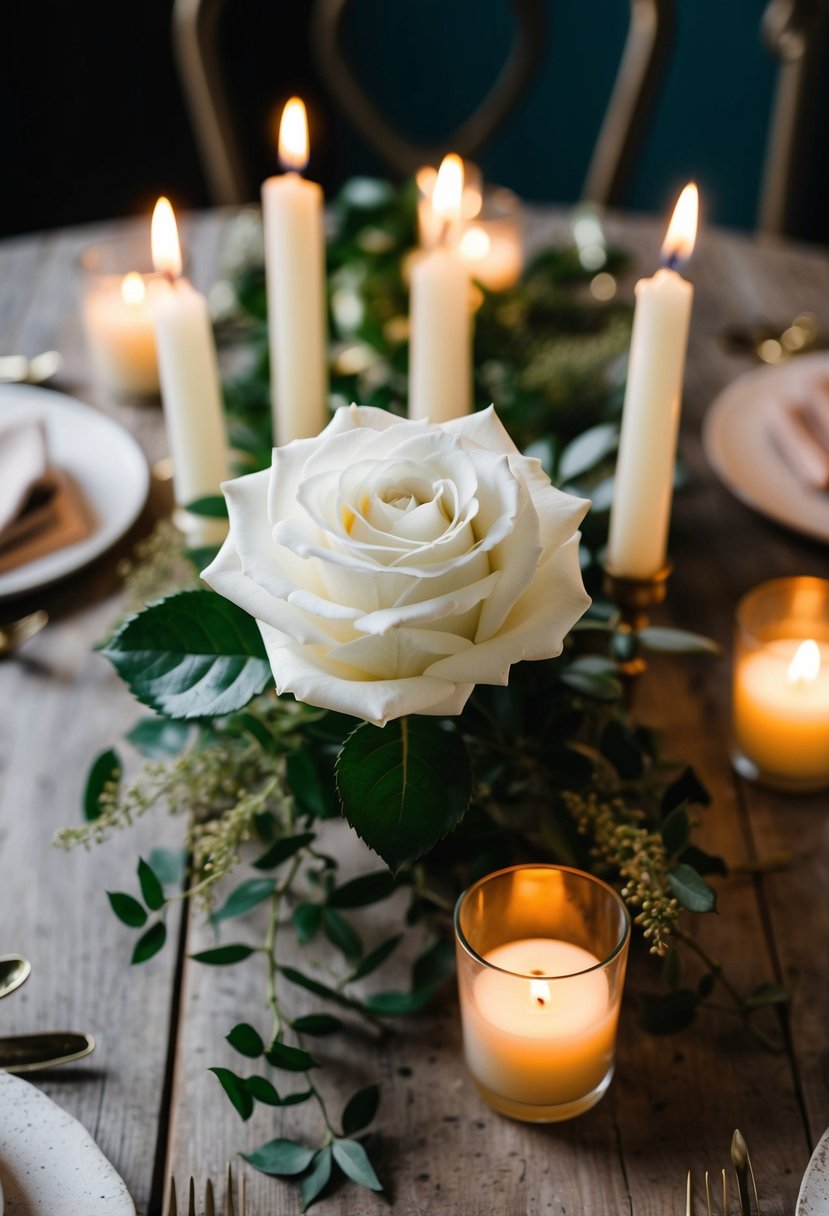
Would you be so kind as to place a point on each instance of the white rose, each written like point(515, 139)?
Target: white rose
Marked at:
point(394, 565)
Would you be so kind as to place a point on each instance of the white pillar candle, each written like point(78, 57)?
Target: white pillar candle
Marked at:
point(542, 1041)
point(643, 489)
point(781, 711)
point(440, 352)
point(188, 371)
point(119, 333)
point(292, 213)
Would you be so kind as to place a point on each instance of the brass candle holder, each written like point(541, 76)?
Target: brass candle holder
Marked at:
point(635, 598)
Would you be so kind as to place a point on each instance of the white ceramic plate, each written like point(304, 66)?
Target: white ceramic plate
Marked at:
point(813, 1199)
point(49, 1163)
point(107, 464)
point(738, 447)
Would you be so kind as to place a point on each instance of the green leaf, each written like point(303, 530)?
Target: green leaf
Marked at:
point(676, 830)
point(677, 641)
point(213, 506)
point(353, 1160)
point(168, 865)
point(224, 956)
point(149, 943)
point(159, 738)
point(151, 888)
point(668, 1012)
point(280, 1157)
point(311, 784)
point(311, 985)
point(105, 768)
point(362, 891)
point(317, 1024)
point(247, 1041)
point(293, 1059)
point(704, 863)
point(236, 1090)
point(244, 897)
point(282, 849)
point(192, 655)
point(262, 1090)
point(306, 919)
point(587, 450)
point(201, 556)
point(127, 909)
point(692, 891)
point(403, 787)
point(394, 1004)
point(361, 1109)
point(375, 958)
point(619, 746)
point(315, 1181)
point(705, 985)
point(768, 994)
point(597, 687)
point(341, 934)
point(434, 965)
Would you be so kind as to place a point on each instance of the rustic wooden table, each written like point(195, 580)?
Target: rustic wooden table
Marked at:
point(145, 1094)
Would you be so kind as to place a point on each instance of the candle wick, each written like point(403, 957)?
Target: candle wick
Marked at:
point(672, 260)
point(170, 277)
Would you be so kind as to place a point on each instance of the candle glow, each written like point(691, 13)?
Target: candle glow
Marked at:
point(447, 196)
point(682, 230)
point(132, 288)
point(805, 666)
point(293, 136)
point(164, 240)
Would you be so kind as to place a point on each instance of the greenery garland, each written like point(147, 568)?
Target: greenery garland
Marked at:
point(561, 772)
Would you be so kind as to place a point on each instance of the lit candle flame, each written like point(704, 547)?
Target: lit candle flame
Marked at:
point(164, 240)
point(682, 230)
point(475, 244)
point(805, 666)
point(132, 288)
point(540, 992)
point(293, 136)
point(447, 196)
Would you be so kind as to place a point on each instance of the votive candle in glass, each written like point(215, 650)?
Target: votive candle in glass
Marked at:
point(118, 288)
point(780, 703)
point(491, 243)
point(541, 952)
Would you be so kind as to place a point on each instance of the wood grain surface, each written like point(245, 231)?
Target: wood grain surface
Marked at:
point(146, 1094)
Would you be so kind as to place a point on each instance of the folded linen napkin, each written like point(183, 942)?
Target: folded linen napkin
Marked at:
point(800, 431)
point(41, 507)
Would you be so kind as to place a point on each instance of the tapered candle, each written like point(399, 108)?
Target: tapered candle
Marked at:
point(292, 213)
point(642, 494)
point(188, 370)
point(440, 354)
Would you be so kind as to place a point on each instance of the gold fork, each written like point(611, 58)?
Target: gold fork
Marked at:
point(746, 1185)
point(209, 1198)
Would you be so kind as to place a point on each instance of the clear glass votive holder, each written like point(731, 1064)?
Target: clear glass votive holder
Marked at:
point(541, 954)
point(118, 284)
point(780, 690)
point(492, 243)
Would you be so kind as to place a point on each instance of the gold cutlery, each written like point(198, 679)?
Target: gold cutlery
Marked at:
point(15, 633)
point(33, 1052)
point(14, 971)
point(209, 1199)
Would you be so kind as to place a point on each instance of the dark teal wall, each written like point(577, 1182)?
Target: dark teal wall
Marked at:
point(427, 61)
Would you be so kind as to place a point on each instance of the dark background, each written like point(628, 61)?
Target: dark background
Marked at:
point(94, 123)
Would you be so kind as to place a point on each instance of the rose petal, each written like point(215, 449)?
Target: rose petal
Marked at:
point(435, 608)
point(483, 428)
point(306, 672)
point(535, 628)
